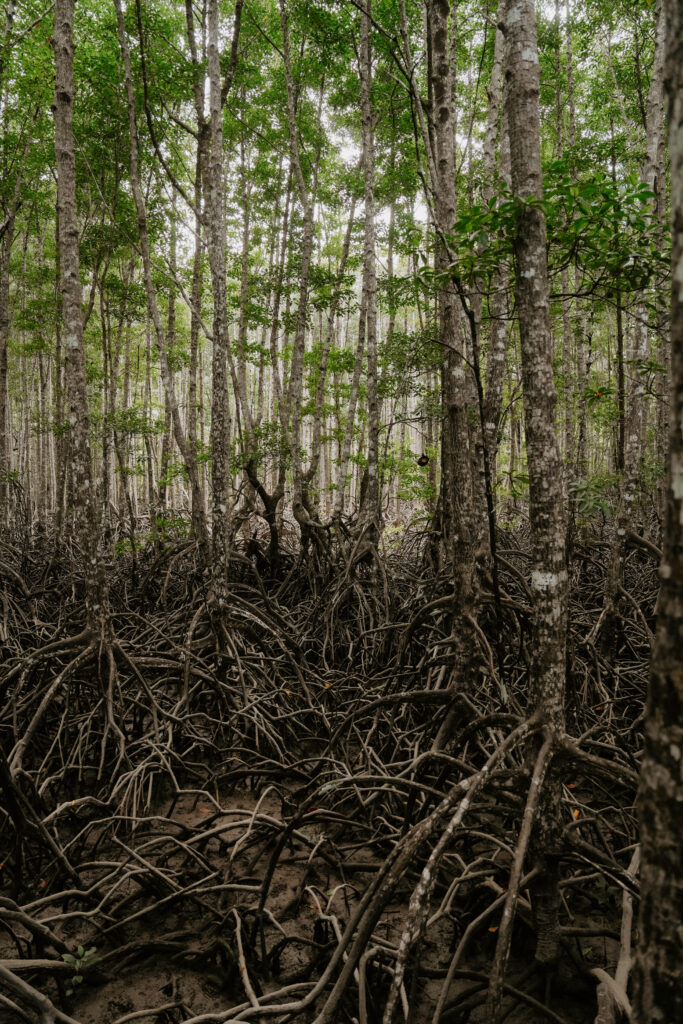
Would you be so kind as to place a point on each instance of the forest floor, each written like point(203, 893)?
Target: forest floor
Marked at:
point(224, 828)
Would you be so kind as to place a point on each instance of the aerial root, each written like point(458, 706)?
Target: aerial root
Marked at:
point(272, 811)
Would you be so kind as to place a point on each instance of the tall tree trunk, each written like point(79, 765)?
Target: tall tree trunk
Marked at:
point(370, 513)
point(188, 453)
point(62, 436)
point(567, 365)
point(498, 331)
point(84, 490)
point(633, 424)
point(549, 572)
point(220, 411)
point(458, 464)
point(5, 244)
point(345, 448)
point(309, 473)
point(243, 325)
point(658, 994)
point(295, 389)
point(196, 296)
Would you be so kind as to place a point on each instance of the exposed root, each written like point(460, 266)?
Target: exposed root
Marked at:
point(272, 813)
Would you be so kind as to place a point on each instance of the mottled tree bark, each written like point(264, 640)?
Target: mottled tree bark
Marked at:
point(345, 452)
point(458, 463)
point(5, 244)
point(243, 326)
point(84, 489)
point(295, 389)
point(370, 512)
point(658, 993)
point(495, 363)
point(200, 165)
point(549, 573)
point(634, 423)
point(220, 409)
point(6, 234)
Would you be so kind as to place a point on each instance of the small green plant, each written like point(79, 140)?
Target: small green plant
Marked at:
point(80, 960)
point(595, 494)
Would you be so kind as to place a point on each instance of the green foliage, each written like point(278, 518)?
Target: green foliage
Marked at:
point(595, 494)
point(519, 485)
point(169, 528)
point(173, 469)
point(597, 393)
point(412, 479)
point(81, 960)
point(135, 421)
point(266, 443)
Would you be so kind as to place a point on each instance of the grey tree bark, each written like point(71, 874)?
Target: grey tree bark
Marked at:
point(84, 489)
point(345, 451)
point(309, 473)
point(220, 409)
point(370, 512)
point(295, 388)
point(458, 492)
point(658, 993)
point(545, 470)
point(5, 246)
point(498, 332)
point(635, 411)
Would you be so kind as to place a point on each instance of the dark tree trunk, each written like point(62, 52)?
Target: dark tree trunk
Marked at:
point(658, 993)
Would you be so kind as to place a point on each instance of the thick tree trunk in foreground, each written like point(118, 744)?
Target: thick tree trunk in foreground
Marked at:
point(549, 573)
point(658, 993)
point(84, 489)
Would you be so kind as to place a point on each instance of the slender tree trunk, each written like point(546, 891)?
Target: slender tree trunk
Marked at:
point(188, 453)
point(567, 364)
point(633, 421)
point(5, 244)
point(495, 364)
point(295, 388)
point(457, 486)
point(370, 513)
point(242, 328)
point(62, 437)
point(345, 452)
point(658, 993)
point(108, 391)
point(196, 297)
point(220, 411)
point(309, 474)
point(152, 503)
